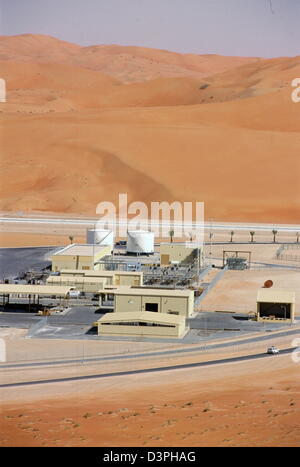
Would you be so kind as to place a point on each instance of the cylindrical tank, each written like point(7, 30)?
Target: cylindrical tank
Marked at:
point(100, 237)
point(140, 242)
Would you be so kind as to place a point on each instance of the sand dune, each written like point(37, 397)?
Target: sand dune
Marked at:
point(74, 137)
point(129, 64)
point(53, 84)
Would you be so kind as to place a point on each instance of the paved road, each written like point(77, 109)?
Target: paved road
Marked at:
point(146, 370)
point(88, 222)
point(205, 346)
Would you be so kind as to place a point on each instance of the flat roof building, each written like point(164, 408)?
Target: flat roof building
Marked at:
point(76, 256)
point(181, 252)
point(80, 283)
point(275, 305)
point(125, 299)
point(110, 277)
point(142, 324)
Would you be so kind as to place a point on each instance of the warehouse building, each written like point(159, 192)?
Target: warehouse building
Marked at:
point(109, 277)
point(155, 300)
point(180, 252)
point(275, 305)
point(78, 256)
point(142, 324)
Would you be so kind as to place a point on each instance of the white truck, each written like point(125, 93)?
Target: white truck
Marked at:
point(273, 350)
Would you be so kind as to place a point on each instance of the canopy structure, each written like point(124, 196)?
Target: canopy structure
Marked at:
point(20, 289)
point(276, 304)
point(33, 292)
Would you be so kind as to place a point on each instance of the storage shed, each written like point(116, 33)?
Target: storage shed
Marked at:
point(275, 305)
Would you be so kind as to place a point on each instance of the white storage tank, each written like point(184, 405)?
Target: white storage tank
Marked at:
point(140, 242)
point(100, 237)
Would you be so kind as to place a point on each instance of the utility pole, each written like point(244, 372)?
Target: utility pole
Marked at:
point(210, 247)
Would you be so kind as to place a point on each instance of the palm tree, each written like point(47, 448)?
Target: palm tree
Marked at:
point(297, 236)
point(274, 232)
point(231, 236)
point(252, 235)
point(171, 233)
point(71, 238)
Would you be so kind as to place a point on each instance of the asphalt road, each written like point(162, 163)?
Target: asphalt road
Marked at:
point(207, 225)
point(203, 347)
point(147, 370)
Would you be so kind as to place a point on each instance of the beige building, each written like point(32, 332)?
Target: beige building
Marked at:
point(179, 252)
point(110, 277)
point(142, 324)
point(81, 283)
point(275, 305)
point(155, 300)
point(77, 256)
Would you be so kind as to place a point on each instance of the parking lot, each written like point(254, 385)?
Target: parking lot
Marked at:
point(16, 261)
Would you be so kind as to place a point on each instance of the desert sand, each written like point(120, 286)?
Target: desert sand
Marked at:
point(252, 404)
point(82, 125)
point(237, 291)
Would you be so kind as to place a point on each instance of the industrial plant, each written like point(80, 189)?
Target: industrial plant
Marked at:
point(139, 287)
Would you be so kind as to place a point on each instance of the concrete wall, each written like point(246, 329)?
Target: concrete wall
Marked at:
point(71, 262)
point(182, 305)
point(120, 279)
point(178, 252)
point(82, 286)
point(77, 261)
point(177, 331)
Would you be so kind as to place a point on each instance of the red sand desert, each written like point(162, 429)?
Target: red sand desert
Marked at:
point(83, 124)
point(245, 404)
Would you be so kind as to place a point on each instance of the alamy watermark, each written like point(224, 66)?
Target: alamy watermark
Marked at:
point(296, 352)
point(180, 220)
point(296, 93)
point(2, 351)
point(2, 90)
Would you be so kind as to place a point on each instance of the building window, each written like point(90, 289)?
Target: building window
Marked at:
point(138, 323)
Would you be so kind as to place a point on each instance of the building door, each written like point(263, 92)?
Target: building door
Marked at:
point(151, 307)
point(165, 259)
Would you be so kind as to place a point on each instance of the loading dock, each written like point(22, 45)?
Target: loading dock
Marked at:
point(275, 305)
